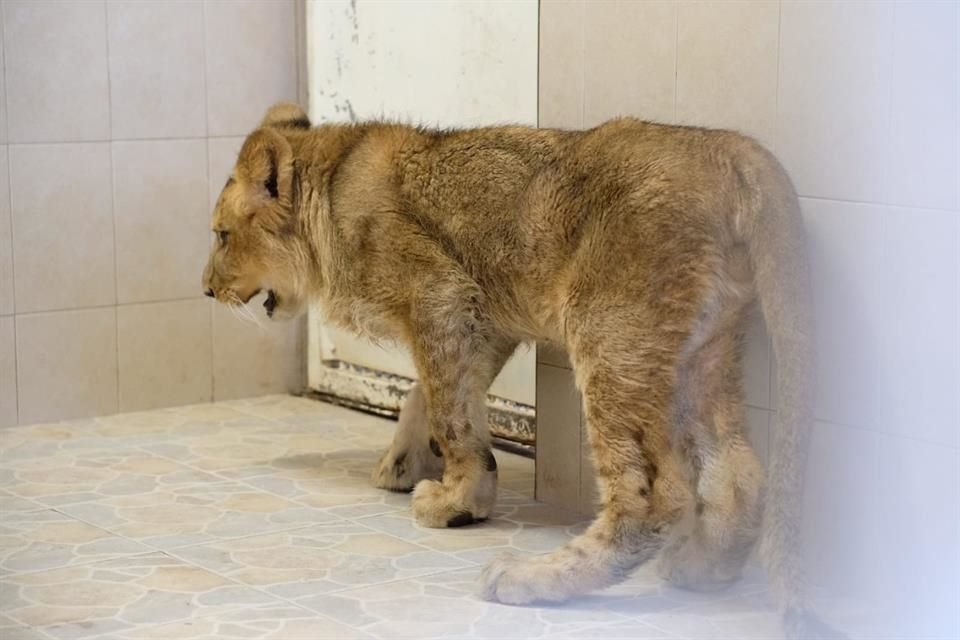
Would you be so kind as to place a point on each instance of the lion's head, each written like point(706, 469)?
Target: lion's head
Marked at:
point(258, 245)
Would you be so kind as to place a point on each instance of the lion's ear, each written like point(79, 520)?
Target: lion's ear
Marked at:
point(286, 115)
point(266, 161)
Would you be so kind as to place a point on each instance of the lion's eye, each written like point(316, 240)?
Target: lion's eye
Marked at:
point(222, 236)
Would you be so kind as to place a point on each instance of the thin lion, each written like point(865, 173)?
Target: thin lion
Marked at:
point(636, 246)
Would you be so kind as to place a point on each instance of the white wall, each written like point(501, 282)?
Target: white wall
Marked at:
point(119, 123)
point(447, 63)
point(860, 102)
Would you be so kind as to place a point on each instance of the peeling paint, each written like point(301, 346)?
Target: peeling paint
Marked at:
point(352, 14)
point(383, 393)
point(350, 111)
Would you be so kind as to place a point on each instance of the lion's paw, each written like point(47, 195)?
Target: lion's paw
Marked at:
point(437, 505)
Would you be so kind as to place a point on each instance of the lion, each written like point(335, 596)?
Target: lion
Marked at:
point(639, 247)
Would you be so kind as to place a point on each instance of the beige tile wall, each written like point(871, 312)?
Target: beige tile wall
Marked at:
point(860, 102)
point(119, 122)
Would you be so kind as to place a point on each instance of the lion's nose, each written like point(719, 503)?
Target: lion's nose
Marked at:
point(209, 293)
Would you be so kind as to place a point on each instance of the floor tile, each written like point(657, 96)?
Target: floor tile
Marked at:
point(257, 519)
point(195, 513)
point(516, 473)
point(10, 503)
point(445, 606)
point(860, 620)
point(44, 539)
point(116, 432)
point(272, 622)
point(629, 630)
point(120, 595)
point(338, 481)
point(323, 558)
point(744, 617)
point(285, 406)
point(242, 445)
point(11, 630)
point(518, 524)
point(97, 474)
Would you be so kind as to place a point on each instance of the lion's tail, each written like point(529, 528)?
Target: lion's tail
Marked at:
point(774, 233)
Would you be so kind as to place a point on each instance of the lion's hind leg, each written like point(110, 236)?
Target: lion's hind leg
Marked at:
point(709, 550)
point(643, 488)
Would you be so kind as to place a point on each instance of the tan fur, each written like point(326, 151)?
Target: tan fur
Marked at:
point(412, 455)
point(637, 246)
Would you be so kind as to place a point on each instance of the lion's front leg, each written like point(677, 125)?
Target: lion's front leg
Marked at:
point(468, 489)
point(413, 455)
point(458, 360)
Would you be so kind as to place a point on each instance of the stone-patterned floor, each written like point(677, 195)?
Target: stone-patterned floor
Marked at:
point(256, 519)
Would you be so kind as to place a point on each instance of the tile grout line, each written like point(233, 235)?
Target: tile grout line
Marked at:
point(676, 59)
point(878, 203)
point(109, 306)
point(73, 421)
point(888, 123)
point(6, 89)
point(206, 91)
point(6, 150)
point(775, 142)
point(776, 109)
point(537, 63)
point(34, 629)
point(583, 62)
point(39, 143)
point(206, 129)
point(84, 563)
point(890, 434)
point(13, 284)
point(113, 210)
point(56, 509)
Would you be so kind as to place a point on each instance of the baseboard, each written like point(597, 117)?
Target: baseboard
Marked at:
point(381, 393)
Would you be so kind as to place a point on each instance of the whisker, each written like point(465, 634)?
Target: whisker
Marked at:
point(233, 303)
point(242, 311)
point(248, 313)
point(233, 310)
